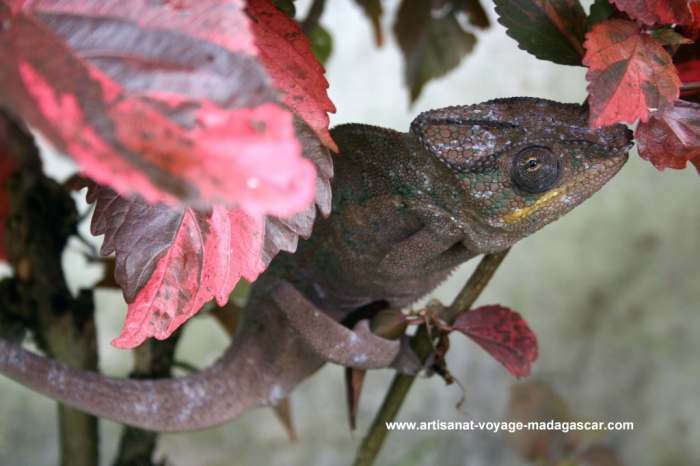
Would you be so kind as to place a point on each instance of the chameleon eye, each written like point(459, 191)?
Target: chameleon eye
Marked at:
point(535, 169)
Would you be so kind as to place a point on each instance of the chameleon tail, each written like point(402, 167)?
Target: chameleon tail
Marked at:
point(251, 373)
point(273, 351)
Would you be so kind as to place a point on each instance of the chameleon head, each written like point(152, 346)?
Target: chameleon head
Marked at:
point(521, 162)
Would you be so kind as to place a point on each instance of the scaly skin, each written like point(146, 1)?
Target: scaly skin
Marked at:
point(407, 209)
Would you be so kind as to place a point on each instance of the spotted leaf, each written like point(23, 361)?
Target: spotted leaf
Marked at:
point(629, 74)
point(503, 334)
point(173, 101)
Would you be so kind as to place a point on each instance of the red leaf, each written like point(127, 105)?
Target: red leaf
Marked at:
point(693, 29)
point(671, 138)
point(165, 99)
point(170, 261)
point(689, 74)
point(689, 71)
point(503, 333)
point(286, 53)
point(173, 101)
point(656, 11)
point(208, 256)
point(628, 74)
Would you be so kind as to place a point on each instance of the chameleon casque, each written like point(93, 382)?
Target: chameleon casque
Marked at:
point(407, 208)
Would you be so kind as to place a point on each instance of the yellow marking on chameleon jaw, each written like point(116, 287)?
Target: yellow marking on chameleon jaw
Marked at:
point(519, 214)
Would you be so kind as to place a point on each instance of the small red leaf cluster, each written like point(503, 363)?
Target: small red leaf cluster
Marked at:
point(652, 12)
point(503, 333)
point(671, 138)
point(632, 76)
point(189, 111)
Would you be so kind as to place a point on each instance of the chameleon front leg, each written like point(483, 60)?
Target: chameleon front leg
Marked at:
point(436, 246)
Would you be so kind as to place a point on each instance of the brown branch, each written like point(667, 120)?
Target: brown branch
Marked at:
point(313, 16)
point(41, 219)
point(154, 359)
point(423, 346)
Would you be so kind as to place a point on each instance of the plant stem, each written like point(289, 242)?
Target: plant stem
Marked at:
point(41, 219)
point(152, 360)
point(423, 346)
point(313, 16)
point(74, 341)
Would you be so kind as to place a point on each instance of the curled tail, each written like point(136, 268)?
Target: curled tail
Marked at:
point(283, 339)
point(263, 363)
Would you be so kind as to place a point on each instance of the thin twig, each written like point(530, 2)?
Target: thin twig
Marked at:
point(313, 16)
point(422, 345)
point(185, 366)
point(694, 86)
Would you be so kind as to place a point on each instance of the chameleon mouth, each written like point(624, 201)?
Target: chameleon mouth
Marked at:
point(546, 199)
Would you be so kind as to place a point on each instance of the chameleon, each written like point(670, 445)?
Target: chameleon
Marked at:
point(407, 209)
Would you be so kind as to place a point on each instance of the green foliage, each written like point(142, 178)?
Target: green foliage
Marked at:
point(549, 29)
point(286, 6)
point(600, 11)
point(321, 43)
point(373, 10)
point(667, 36)
point(475, 13)
point(433, 42)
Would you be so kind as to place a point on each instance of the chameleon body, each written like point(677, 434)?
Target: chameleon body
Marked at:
point(407, 209)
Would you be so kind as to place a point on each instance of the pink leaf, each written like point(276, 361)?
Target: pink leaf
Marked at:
point(164, 99)
point(170, 261)
point(177, 102)
point(503, 334)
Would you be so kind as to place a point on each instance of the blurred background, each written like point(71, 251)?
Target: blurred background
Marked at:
point(611, 290)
